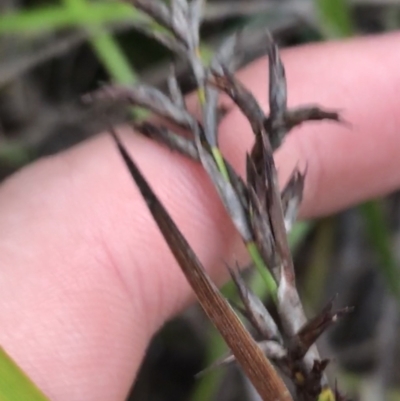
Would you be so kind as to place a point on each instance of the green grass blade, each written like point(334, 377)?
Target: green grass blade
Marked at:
point(46, 18)
point(335, 18)
point(381, 239)
point(52, 18)
point(113, 58)
point(207, 385)
point(15, 384)
point(316, 273)
point(103, 43)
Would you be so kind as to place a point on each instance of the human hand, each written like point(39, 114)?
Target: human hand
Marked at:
point(86, 278)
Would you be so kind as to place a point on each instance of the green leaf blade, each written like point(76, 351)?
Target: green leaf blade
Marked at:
point(335, 18)
point(50, 18)
point(15, 385)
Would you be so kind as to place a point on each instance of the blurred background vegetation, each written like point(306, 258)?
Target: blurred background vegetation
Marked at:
point(53, 52)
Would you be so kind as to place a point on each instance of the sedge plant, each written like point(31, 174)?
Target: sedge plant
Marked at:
point(262, 214)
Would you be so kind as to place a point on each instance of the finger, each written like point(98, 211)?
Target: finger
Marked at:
point(86, 277)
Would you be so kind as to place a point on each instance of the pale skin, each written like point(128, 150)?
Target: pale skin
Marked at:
point(85, 276)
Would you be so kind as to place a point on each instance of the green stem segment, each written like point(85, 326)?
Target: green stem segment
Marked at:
point(201, 94)
point(262, 269)
point(220, 162)
point(251, 246)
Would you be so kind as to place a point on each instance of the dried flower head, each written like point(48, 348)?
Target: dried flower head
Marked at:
point(262, 213)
